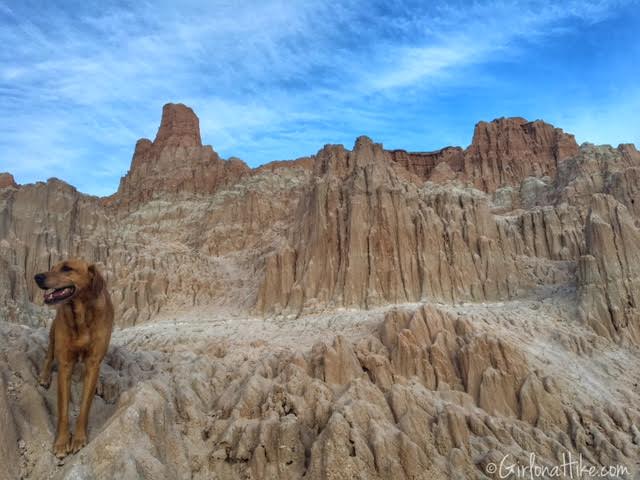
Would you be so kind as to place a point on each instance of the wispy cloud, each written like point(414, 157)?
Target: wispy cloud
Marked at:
point(269, 79)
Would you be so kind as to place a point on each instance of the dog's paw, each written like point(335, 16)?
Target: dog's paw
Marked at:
point(62, 446)
point(78, 442)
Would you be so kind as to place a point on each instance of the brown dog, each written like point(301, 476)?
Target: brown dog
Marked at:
point(81, 330)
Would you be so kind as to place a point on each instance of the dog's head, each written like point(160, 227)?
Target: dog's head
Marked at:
point(68, 280)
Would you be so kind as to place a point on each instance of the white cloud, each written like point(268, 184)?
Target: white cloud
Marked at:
point(78, 87)
point(456, 37)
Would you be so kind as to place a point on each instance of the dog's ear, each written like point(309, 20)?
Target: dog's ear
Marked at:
point(97, 281)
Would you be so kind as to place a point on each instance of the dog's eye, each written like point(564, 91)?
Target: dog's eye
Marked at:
point(66, 269)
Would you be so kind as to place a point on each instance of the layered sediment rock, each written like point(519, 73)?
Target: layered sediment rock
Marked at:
point(176, 162)
point(162, 255)
point(341, 228)
point(39, 224)
point(609, 272)
point(599, 169)
point(421, 241)
point(365, 234)
point(437, 166)
point(540, 236)
point(508, 150)
point(7, 180)
point(503, 152)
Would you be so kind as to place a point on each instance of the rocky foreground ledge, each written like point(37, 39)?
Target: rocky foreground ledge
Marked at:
point(409, 392)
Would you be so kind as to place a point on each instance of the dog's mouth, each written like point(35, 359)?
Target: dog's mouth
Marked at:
point(57, 295)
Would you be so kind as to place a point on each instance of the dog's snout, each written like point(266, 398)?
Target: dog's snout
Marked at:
point(39, 278)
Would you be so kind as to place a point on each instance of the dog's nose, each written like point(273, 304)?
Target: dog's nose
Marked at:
point(39, 278)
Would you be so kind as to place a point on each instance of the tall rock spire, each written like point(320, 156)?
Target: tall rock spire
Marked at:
point(7, 180)
point(176, 162)
point(179, 127)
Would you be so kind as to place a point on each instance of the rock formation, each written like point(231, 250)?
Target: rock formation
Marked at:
point(506, 151)
point(609, 272)
point(176, 162)
point(6, 180)
point(429, 394)
point(362, 236)
point(358, 313)
point(503, 152)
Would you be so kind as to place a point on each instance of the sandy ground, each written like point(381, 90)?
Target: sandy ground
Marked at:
point(218, 346)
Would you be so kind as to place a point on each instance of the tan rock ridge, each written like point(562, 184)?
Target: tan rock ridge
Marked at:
point(161, 254)
point(358, 313)
point(600, 169)
point(609, 273)
point(363, 236)
point(503, 152)
point(365, 233)
point(7, 180)
point(303, 162)
point(340, 228)
point(508, 150)
point(176, 162)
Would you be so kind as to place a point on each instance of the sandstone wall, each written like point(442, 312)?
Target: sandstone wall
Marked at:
point(609, 272)
point(365, 235)
point(176, 162)
point(354, 228)
point(503, 152)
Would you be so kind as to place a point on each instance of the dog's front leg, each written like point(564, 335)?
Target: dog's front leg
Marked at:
point(92, 369)
point(45, 374)
point(62, 445)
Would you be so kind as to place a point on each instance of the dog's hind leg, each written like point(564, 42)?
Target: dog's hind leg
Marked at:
point(45, 374)
point(91, 372)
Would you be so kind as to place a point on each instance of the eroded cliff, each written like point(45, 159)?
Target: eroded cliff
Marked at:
point(357, 313)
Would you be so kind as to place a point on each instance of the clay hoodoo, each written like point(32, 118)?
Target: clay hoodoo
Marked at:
point(176, 162)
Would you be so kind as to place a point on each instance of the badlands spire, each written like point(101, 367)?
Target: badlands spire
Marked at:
point(7, 180)
point(179, 126)
point(175, 163)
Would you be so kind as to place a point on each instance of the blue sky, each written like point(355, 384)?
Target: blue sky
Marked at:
point(81, 81)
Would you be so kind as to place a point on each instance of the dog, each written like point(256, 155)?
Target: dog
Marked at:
point(81, 331)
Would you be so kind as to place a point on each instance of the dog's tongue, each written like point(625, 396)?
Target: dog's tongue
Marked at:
point(56, 294)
